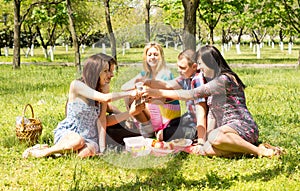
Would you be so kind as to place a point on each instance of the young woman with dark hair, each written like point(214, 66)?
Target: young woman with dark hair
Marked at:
point(84, 128)
point(231, 129)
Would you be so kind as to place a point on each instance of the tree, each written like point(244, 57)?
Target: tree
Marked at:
point(210, 12)
point(189, 29)
point(110, 30)
point(74, 35)
point(291, 16)
point(17, 31)
point(172, 15)
point(50, 21)
point(147, 20)
point(234, 20)
point(18, 20)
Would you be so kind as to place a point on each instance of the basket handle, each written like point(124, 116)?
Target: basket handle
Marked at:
point(32, 114)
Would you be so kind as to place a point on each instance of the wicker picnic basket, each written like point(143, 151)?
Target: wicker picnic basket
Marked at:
point(29, 132)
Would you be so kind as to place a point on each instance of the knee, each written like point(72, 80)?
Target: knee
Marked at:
point(75, 142)
point(208, 149)
point(215, 137)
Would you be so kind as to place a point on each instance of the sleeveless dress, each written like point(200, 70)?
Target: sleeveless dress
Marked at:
point(82, 119)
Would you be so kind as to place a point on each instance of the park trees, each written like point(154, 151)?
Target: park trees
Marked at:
point(5, 32)
point(171, 21)
point(50, 21)
point(18, 21)
point(291, 16)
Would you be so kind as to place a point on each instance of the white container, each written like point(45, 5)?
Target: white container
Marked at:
point(137, 146)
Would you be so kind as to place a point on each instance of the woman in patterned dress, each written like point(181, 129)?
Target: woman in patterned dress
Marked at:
point(231, 127)
point(84, 128)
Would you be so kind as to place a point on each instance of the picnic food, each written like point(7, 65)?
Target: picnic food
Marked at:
point(179, 142)
point(162, 145)
point(182, 142)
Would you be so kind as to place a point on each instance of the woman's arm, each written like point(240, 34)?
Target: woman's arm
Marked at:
point(216, 86)
point(79, 88)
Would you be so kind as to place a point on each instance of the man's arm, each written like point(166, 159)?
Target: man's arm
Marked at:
point(167, 85)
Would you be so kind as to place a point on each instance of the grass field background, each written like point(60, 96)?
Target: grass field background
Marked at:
point(273, 97)
point(269, 55)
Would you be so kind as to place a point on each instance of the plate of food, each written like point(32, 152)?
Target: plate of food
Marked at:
point(180, 143)
point(161, 148)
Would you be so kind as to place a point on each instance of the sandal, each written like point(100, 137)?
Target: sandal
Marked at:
point(277, 151)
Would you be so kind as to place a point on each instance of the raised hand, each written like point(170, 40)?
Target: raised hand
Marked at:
point(136, 108)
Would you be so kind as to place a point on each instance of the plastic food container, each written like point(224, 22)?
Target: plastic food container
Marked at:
point(137, 146)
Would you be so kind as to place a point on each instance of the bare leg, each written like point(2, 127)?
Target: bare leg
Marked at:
point(71, 142)
point(87, 151)
point(225, 140)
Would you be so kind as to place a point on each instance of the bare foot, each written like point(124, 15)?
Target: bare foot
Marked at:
point(28, 151)
point(38, 153)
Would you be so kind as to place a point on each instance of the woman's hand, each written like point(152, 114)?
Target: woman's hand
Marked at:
point(134, 93)
point(136, 109)
point(149, 92)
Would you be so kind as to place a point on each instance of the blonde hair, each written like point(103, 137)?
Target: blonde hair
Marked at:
point(161, 63)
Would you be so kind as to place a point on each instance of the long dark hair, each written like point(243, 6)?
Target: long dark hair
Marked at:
point(91, 70)
point(210, 55)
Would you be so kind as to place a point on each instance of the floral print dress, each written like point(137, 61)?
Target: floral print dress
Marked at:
point(82, 119)
point(227, 106)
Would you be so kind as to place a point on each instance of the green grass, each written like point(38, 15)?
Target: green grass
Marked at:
point(269, 55)
point(272, 97)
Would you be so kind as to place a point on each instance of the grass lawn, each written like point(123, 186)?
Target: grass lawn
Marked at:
point(269, 55)
point(272, 97)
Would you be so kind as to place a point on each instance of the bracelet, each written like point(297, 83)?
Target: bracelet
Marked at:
point(196, 144)
point(201, 142)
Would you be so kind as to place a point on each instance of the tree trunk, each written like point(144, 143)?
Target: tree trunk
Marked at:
point(211, 35)
point(298, 65)
point(17, 31)
point(147, 21)
point(74, 35)
point(189, 29)
point(110, 30)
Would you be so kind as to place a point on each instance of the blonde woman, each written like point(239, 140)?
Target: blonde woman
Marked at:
point(159, 112)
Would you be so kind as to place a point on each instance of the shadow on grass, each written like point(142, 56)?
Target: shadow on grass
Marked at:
point(170, 178)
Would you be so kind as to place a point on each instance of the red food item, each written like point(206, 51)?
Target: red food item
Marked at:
point(153, 143)
point(159, 145)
